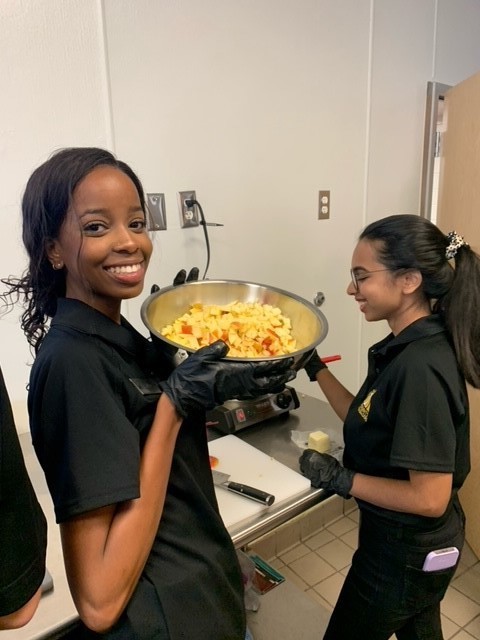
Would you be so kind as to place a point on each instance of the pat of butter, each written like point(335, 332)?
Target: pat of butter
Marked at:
point(319, 441)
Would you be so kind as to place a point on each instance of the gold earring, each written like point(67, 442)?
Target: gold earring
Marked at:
point(57, 266)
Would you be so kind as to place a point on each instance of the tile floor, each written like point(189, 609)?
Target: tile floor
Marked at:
point(317, 562)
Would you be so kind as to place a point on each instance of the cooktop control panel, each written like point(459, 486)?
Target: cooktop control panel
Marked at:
point(234, 415)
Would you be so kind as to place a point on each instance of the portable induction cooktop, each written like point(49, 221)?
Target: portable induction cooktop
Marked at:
point(234, 415)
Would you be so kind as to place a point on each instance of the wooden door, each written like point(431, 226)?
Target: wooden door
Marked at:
point(458, 209)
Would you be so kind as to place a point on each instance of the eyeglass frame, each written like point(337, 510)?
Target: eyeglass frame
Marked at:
point(355, 281)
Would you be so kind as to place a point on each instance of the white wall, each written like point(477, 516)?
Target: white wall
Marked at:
point(256, 105)
point(54, 94)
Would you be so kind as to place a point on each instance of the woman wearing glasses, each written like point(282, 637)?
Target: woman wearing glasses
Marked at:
point(406, 431)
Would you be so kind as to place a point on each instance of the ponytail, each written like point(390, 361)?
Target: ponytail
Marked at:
point(461, 309)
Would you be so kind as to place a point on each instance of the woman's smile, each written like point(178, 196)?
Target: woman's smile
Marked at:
point(361, 305)
point(127, 273)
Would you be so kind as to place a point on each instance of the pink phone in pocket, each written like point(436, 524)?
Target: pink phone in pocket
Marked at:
point(441, 559)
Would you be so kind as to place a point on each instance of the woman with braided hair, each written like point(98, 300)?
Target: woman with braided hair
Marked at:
point(406, 431)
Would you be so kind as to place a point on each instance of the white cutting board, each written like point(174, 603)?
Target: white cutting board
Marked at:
point(249, 465)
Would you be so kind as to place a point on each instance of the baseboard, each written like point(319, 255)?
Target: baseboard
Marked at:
point(299, 528)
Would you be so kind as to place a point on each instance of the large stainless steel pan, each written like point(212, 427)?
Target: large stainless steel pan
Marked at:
point(309, 325)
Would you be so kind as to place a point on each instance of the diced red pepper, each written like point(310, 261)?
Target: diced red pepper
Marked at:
point(187, 328)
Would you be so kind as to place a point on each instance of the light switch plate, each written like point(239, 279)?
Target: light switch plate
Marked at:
point(156, 212)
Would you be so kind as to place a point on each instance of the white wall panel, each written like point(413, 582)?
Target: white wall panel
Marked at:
point(257, 106)
point(402, 56)
point(457, 54)
point(53, 95)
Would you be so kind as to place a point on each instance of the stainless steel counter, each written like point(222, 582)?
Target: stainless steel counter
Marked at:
point(273, 437)
point(56, 610)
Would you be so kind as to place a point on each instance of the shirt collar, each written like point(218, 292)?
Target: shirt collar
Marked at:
point(87, 320)
point(421, 328)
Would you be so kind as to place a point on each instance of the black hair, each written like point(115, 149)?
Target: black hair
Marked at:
point(45, 204)
point(413, 242)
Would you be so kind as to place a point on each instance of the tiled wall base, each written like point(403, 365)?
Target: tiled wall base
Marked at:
point(300, 528)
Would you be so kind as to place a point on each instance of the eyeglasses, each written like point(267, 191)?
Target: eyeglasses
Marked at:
point(358, 277)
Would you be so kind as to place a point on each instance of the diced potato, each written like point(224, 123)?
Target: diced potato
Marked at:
point(250, 329)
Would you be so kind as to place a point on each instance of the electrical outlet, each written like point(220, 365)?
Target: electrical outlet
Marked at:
point(156, 212)
point(188, 215)
point(323, 205)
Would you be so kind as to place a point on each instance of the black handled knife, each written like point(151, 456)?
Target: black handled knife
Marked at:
point(223, 480)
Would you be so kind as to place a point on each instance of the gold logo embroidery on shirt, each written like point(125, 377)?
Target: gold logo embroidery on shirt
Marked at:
point(364, 408)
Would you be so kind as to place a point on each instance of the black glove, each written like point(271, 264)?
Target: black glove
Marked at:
point(203, 380)
point(313, 366)
point(182, 277)
point(325, 472)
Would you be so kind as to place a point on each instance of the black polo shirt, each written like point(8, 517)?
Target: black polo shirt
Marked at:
point(23, 528)
point(412, 410)
point(93, 394)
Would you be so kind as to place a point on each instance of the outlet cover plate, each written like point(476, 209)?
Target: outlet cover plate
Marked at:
point(324, 205)
point(188, 216)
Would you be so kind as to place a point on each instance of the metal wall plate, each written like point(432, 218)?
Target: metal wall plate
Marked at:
point(156, 211)
point(188, 215)
point(323, 205)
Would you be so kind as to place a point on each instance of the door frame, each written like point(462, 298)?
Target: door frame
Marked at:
point(435, 95)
